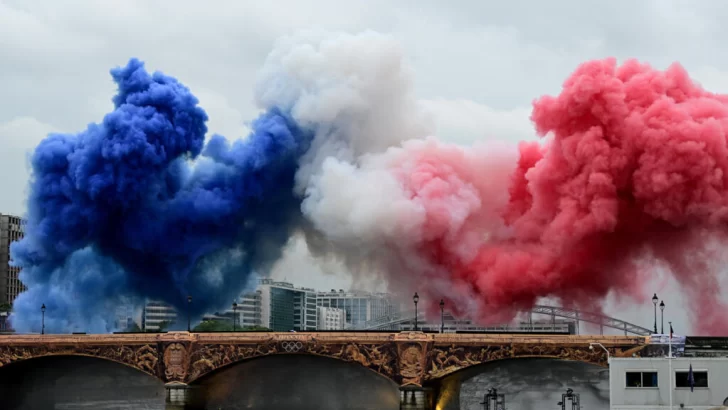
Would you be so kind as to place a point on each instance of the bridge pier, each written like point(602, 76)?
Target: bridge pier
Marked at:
point(416, 398)
point(178, 395)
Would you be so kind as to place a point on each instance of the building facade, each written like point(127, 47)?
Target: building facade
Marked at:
point(646, 383)
point(4, 323)
point(284, 307)
point(11, 230)
point(126, 316)
point(360, 307)
point(280, 306)
point(331, 318)
point(248, 310)
point(304, 310)
point(157, 315)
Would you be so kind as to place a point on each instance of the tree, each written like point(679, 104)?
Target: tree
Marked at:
point(214, 326)
point(162, 327)
point(6, 307)
point(224, 326)
point(254, 328)
point(134, 328)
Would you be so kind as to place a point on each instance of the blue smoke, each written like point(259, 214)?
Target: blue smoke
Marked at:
point(139, 206)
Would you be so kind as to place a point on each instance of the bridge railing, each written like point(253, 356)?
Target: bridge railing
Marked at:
point(389, 322)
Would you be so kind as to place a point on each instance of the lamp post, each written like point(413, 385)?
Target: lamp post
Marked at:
point(235, 315)
point(591, 347)
point(662, 317)
point(569, 396)
point(442, 315)
point(494, 398)
point(189, 303)
point(42, 319)
point(416, 298)
point(654, 302)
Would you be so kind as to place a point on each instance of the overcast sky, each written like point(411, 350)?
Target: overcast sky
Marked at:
point(478, 66)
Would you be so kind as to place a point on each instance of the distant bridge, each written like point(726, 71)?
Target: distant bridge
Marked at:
point(392, 322)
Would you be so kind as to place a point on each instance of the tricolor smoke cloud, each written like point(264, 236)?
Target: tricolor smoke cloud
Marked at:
point(141, 205)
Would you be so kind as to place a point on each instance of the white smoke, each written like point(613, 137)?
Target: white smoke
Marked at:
point(369, 199)
point(356, 90)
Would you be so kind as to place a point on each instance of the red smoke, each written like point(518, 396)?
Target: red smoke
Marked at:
point(635, 176)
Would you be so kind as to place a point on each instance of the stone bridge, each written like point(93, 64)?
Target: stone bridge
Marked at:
point(410, 359)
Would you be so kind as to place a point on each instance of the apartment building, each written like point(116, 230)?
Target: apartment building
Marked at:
point(157, 314)
point(11, 230)
point(331, 318)
point(360, 307)
point(284, 307)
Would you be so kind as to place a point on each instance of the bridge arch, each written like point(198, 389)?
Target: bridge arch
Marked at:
point(141, 358)
point(287, 356)
point(445, 360)
point(380, 358)
point(524, 383)
point(56, 380)
point(294, 381)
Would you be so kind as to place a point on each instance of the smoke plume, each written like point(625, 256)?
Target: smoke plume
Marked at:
point(632, 178)
point(118, 209)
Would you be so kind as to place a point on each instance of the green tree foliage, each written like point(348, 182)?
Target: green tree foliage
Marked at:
point(134, 328)
point(214, 326)
point(163, 326)
point(255, 328)
point(225, 326)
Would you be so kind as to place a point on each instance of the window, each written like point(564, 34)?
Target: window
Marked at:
point(700, 377)
point(642, 379)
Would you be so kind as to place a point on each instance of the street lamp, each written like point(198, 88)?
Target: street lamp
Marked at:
point(662, 317)
point(442, 315)
point(569, 396)
point(494, 398)
point(235, 315)
point(42, 319)
point(416, 298)
point(189, 302)
point(654, 302)
point(591, 347)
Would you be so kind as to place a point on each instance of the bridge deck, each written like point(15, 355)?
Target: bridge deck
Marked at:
point(408, 358)
point(330, 337)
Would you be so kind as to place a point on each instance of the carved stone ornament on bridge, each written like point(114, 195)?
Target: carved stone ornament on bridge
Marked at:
point(444, 360)
point(408, 358)
point(175, 356)
point(381, 358)
point(206, 358)
point(292, 346)
point(142, 357)
point(411, 366)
